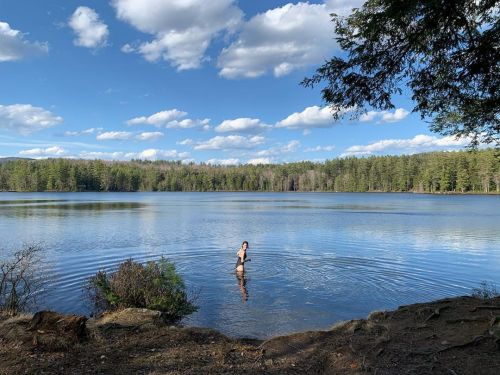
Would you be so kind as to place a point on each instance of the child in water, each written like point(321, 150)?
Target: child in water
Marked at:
point(242, 255)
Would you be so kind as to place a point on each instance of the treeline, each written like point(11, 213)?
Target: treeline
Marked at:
point(437, 172)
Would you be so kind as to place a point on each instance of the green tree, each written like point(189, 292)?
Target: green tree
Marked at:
point(463, 177)
point(447, 52)
point(155, 285)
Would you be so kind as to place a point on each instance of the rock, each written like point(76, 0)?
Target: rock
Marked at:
point(131, 317)
point(50, 321)
point(54, 331)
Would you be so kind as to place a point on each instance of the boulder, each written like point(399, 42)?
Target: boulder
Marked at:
point(132, 317)
point(53, 331)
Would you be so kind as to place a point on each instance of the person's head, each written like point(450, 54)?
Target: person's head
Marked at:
point(244, 245)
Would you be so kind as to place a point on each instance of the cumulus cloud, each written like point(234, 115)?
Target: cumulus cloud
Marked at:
point(419, 143)
point(189, 123)
point(223, 161)
point(82, 132)
point(171, 119)
point(311, 117)
point(154, 154)
point(342, 7)
point(291, 146)
point(43, 152)
point(182, 30)
point(242, 125)
point(116, 136)
point(26, 119)
point(148, 154)
point(117, 155)
point(13, 46)
point(279, 40)
point(149, 136)
point(320, 149)
point(384, 116)
point(185, 142)
point(368, 116)
point(158, 119)
point(127, 48)
point(90, 31)
point(230, 142)
point(258, 161)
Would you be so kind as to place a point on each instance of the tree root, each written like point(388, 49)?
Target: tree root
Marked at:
point(436, 313)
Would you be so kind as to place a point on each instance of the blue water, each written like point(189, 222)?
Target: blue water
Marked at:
point(317, 258)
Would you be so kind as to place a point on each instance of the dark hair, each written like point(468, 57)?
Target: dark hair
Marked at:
point(244, 242)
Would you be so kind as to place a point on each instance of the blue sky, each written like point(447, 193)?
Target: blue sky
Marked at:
point(192, 80)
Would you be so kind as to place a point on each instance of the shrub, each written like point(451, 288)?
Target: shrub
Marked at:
point(155, 286)
point(485, 290)
point(21, 280)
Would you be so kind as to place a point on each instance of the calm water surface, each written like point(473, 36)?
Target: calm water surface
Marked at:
point(317, 258)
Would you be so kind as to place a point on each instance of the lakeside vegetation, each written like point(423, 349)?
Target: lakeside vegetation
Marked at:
point(436, 172)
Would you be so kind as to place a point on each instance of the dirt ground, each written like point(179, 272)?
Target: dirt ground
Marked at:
point(451, 336)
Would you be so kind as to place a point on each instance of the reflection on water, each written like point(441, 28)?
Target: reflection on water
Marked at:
point(316, 258)
point(242, 284)
point(30, 201)
point(92, 206)
point(41, 208)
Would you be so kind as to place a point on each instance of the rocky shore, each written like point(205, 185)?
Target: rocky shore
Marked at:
point(451, 336)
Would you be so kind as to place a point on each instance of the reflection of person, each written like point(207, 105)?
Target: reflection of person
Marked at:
point(242, 255)
point(242, 282)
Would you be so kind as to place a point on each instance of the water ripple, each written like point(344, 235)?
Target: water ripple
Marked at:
point(315, 259)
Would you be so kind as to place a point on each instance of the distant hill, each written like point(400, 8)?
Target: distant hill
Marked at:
point(5, 160)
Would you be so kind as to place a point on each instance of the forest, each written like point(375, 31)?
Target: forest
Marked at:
point(435, 172)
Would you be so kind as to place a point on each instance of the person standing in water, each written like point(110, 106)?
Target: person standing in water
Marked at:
point(242, 255)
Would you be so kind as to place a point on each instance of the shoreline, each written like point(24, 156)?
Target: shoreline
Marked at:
point(459, 335)
point(259, 192)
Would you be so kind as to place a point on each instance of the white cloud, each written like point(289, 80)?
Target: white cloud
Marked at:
point(280, 40)
point(149, 136)
point(320, 149)
point(188, 123)
point(13, 46)
point(155, 154)
point(148, 154)
point(242, 125)
point(384, 116)
point(291, 146)
point(258, 161)
point(185, 142)
point(398, 115)
point(26, 119)
point(183, 30)
point(89, 30)
point(127, 48)
point(368, 116)
point(82, 132)
point(223, 161)
point(230, 142)
point(117, 136)
point(43, 152)
point(342, 7)
point(117, 155)
point(158, 119)
point(311, 117)
point(419, 143)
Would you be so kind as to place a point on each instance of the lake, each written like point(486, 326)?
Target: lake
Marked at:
point(316, 258)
